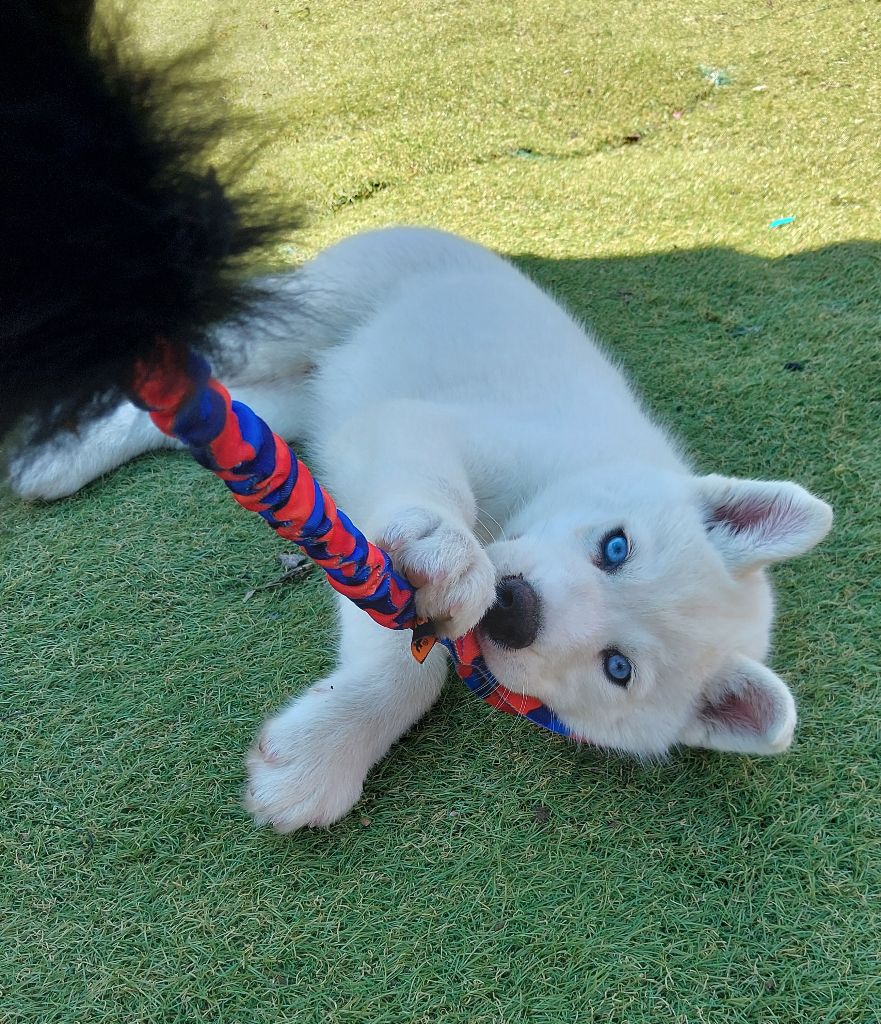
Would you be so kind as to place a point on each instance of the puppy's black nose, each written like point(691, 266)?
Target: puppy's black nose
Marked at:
point(514, 619)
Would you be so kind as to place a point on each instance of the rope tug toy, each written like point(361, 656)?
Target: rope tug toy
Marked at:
point(117, 264)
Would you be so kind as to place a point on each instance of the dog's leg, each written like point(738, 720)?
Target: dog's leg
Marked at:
point(409, 490)
point(309, 763)
point(399, 473)
point(71, 459)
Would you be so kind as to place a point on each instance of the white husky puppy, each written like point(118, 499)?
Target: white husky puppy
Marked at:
point(475, 429)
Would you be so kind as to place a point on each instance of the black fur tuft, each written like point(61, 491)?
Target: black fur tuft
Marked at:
point(112, 234)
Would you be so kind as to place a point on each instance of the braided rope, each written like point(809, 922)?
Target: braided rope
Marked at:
point(265, 476)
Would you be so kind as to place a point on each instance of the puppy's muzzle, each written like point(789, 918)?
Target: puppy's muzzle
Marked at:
point(515, 618)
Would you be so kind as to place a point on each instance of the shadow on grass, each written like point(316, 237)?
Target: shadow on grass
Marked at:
point(762, 365)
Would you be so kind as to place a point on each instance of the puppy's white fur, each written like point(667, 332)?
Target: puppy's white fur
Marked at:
point(466, 421)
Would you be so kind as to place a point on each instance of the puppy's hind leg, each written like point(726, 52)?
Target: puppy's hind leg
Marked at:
point(71, 459)
point(310, 760)
point(68, 461)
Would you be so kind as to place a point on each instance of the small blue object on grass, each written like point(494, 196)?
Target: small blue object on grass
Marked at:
point(780, 221)
point(715, 76)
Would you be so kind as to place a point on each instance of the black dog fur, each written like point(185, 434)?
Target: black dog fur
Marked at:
point(113, 232)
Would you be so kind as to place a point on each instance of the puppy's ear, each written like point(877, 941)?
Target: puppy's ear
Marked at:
point(755, 522)
point(746, 709)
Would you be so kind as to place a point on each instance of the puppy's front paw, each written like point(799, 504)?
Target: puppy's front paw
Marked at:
point(303, 771)
point(455, 580)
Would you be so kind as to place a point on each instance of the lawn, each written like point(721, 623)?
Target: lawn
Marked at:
point(631, 157)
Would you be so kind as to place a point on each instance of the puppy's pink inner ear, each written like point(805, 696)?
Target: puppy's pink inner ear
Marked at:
point(754, 522)
point(751, 710)
point(747, 513)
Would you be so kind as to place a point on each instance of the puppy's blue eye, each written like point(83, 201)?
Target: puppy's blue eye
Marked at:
point(617, 668)
point(614, 549)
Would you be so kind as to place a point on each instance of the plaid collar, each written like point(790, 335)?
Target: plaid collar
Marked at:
point(472, 669)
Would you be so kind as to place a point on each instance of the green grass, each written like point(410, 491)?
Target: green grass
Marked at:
point(133, 673)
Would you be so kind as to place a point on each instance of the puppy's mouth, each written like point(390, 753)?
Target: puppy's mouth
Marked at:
point(502, 692)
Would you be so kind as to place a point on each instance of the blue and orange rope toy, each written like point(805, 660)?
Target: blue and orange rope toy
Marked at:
point(265, 476)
